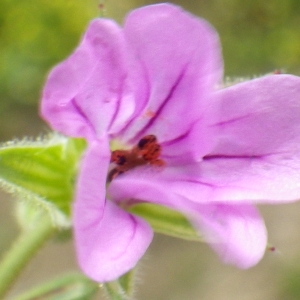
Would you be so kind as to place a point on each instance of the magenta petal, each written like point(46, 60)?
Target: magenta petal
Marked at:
point(190, 147)
point(180, 55)
point(109, 241)
point(144, 185)
point(258, 152)
point(232, 180)
point(259, 117)
point(236, 232)
point(83, 94)
point(112, 244)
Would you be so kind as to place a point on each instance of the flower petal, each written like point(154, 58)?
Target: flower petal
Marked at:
point(181, 57)
point(113, 244)
point(259, 117)
point(191, 146)
point(144, 184)
point(109, 241)
point(84, 93)
point(258, 152)
point(236, 232)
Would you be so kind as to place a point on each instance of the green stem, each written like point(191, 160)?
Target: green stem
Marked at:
point(70, 286)
point(24, 248)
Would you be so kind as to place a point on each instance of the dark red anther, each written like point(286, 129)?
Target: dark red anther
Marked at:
point(146, 141)
point(146, 152)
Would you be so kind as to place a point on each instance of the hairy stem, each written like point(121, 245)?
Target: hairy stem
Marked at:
point(23, 249)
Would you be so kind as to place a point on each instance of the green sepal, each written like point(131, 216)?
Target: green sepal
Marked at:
point(127, 282)
point(114, 291)
point(68, 287)
point(43, 171)
point(166, 221)
point(120, 289)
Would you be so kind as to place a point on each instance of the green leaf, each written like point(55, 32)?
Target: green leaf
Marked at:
point(42, 171)
point(68, 287)
point(166, 221)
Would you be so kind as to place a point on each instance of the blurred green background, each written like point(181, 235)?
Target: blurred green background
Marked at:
point(257, 37)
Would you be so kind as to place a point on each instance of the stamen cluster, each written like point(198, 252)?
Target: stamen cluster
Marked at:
point(147, 151)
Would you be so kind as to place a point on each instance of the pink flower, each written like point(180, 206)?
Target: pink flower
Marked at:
point(223, 150)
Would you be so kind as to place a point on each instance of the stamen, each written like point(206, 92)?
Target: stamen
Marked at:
point(146, 141)
point(146, 152)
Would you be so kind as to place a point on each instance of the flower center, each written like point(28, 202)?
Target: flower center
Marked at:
point(146, 152)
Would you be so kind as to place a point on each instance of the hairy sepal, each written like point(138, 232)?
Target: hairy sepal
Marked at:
point(42, 173)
